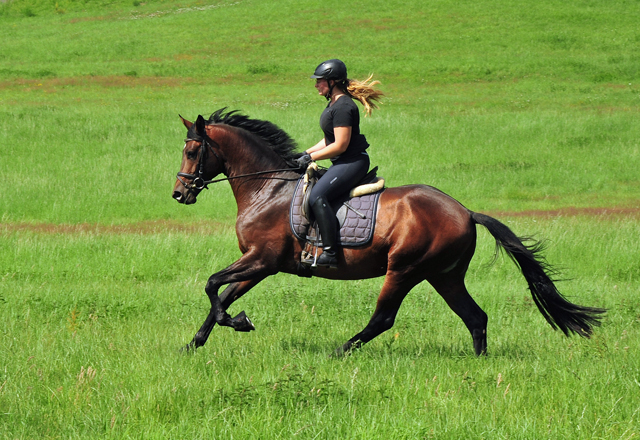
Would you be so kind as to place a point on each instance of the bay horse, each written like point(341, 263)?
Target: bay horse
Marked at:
point(420, 234)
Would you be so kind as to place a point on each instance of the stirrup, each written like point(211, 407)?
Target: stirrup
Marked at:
point(309, 254)
point(307, 258)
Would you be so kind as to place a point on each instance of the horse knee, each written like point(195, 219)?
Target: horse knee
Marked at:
point(211, 288)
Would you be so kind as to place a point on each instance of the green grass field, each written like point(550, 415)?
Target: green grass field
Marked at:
point(526, 111)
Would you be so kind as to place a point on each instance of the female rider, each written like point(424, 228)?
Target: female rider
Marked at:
point(342, 144)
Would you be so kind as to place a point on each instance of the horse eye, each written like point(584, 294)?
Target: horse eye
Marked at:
point(191, 155)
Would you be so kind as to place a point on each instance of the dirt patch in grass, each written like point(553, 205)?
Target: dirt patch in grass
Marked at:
point(140, 228)
point(118, 81)
point(572, 211)
point(212, 227)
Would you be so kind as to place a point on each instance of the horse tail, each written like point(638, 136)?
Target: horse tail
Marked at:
point(559, 313)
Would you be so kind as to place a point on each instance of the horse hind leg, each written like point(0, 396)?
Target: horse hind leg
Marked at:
point(394, 290)
point(455, 293)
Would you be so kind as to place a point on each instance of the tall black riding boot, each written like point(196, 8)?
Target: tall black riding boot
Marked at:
point(328, 225)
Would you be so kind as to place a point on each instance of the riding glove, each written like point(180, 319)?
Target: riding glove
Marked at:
point(304, 161)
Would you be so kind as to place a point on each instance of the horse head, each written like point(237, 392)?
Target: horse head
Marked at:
point(200, 162)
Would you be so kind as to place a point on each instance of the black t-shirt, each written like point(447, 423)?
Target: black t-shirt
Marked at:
point(343, 113)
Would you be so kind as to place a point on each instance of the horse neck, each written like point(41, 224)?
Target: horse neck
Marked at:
point(244, 155)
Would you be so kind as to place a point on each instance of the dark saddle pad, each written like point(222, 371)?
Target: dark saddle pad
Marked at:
point(356, 216)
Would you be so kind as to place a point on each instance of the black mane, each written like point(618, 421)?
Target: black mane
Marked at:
point(276, 138)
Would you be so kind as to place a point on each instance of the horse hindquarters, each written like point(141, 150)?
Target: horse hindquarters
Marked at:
point(428, 236)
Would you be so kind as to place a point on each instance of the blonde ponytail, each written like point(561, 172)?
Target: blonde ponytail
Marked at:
point(364, 92)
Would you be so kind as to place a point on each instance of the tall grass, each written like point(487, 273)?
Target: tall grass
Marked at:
point(92, 323)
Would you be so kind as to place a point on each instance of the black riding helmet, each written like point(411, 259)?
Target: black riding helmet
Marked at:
point(331, 69)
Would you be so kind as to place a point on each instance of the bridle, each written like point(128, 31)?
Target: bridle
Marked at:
point(199, 183)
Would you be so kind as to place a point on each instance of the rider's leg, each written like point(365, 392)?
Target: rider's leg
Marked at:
point(328, 225)
point(338, 179)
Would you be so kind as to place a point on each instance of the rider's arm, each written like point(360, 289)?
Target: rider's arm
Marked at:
point(343, 137)
point(319, 146)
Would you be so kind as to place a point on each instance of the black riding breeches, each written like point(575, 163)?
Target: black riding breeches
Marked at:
point(341, 176)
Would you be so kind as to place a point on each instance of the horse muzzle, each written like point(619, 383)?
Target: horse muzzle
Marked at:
point(187, 199)
point(185, 192)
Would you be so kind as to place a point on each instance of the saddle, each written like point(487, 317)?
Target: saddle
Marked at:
point(356, 211)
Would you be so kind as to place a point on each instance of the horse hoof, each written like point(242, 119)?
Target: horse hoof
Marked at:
point(189, 348)
point(341, 352)
point(242, 323)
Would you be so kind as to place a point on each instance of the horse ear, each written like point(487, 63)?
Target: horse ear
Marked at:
point(200, 123)
point(186, 123)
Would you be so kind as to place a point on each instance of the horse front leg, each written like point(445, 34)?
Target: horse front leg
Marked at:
point(222, 302)
point(241, 323)
point(241, 277)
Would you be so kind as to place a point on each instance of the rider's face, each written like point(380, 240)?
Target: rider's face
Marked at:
point(322, 86)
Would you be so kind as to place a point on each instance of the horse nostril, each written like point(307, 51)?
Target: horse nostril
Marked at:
point(177, 195)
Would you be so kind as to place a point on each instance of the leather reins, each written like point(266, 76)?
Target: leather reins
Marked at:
point(199, 183)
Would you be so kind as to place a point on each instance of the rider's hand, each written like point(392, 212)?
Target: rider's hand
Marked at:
point(304, 160)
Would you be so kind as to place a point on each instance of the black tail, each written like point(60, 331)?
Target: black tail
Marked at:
point(558, 312)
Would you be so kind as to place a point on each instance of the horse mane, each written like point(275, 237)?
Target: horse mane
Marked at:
point(276, 138)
